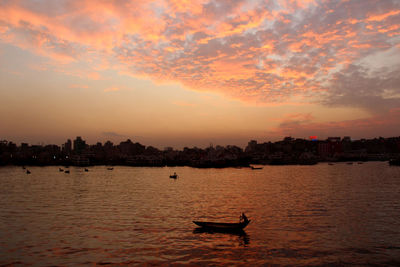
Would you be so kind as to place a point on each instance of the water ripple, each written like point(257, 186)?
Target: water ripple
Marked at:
point(301, 215)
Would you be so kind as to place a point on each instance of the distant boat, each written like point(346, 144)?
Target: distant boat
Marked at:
point(359, 163)
point(174, 176)
point(349, 163)
point(60, 170)
point(110, 168)
point(28, 172)
point(219, 226)
point(394, 162)
point(331, 163)
point(67, 171)
point(86, 170)
point(256, 168)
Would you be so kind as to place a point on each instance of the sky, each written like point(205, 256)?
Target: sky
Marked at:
point(192, 73)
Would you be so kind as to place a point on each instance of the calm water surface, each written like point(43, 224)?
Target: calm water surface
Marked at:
point(301, 215)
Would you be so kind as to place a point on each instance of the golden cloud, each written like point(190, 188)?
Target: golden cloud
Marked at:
point(259, 51)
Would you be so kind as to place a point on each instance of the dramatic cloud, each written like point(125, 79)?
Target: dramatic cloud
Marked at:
point(377, 91)
point(290, 121)
point(269, 51)
point(383, 125)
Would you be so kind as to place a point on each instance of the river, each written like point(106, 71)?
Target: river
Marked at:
point(323, 214)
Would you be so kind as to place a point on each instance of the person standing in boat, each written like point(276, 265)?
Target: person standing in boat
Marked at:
point(243, 218)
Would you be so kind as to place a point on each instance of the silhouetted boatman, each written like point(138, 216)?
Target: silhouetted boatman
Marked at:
point(243, 218)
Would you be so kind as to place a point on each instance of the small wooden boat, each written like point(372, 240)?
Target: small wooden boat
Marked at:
point(67, 171)
point(28, 172)
point(86, 170)
point(174, 176)
point(225, 226)
point(256, 168)
point(110, 168)
point(60, 170)
point(222, 226)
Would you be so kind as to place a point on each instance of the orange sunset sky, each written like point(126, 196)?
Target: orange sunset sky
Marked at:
point(194, 72)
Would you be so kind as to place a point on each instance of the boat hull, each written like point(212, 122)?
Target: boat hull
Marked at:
point(222, 226)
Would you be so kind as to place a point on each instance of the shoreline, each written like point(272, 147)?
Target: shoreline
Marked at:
point(198, 166)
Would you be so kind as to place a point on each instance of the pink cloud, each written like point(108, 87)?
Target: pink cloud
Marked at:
point(380, 17)
point(255, 51)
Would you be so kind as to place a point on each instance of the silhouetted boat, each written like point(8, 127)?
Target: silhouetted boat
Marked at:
point(331, 163)
point(225, 226)
point(349, 163)
point(60, 170)
point(67, 171)
point(256, 168)
point(174, 176)
point(28, 172)
point(110, 168)
point(394, 162)
point(86, 170)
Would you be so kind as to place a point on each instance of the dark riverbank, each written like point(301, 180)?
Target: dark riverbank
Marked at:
point(289, 151)
point(205, 164)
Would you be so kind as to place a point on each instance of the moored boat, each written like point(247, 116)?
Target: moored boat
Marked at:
point(225, 226)
point(174, 176)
